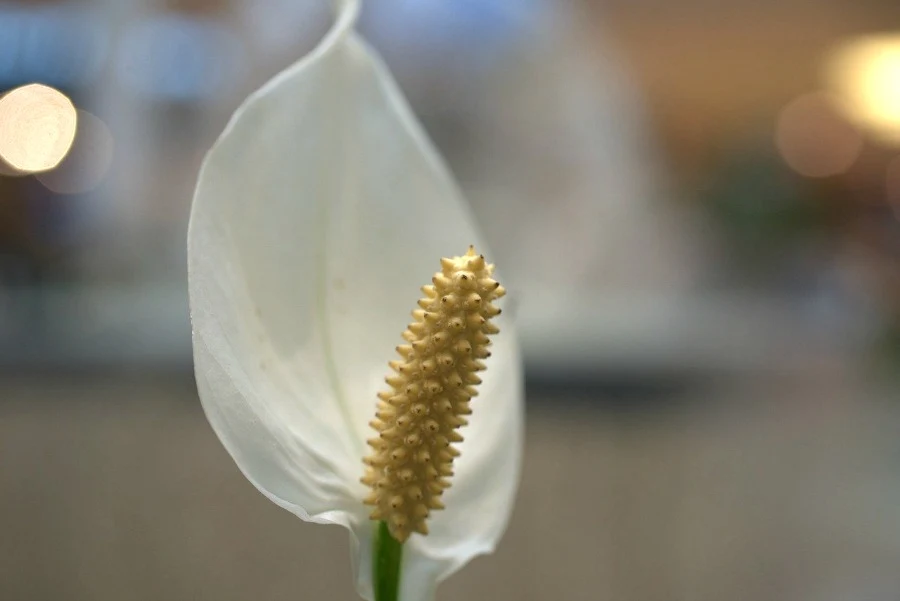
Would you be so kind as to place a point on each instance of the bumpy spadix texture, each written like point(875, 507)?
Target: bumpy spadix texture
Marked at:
point(411, 462)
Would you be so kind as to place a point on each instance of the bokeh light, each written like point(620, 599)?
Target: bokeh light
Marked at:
point(866, 73)
point(814, 138)
point(37, 127)
point(88, 161)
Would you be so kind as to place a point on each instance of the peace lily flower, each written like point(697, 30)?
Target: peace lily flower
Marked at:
point(318, 215)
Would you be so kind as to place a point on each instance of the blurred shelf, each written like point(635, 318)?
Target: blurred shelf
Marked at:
point(92, 327)
point(149, 327)
point(716, 333)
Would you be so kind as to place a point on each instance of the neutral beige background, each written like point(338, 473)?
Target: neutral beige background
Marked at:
point(765, 489)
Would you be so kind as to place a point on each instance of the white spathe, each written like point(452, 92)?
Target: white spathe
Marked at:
point(318, 214)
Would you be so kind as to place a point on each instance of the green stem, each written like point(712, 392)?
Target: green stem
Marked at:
point(386, 564)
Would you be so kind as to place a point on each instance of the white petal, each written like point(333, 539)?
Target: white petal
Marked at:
point(318, 214)
point(479, 502)
point(255, 261)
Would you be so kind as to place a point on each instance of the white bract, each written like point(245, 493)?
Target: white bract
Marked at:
point(318, 214)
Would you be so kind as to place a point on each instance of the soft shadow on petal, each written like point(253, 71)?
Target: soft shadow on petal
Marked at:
point(397, 213)
point(255, 257)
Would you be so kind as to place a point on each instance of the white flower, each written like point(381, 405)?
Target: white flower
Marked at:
point(318, 214)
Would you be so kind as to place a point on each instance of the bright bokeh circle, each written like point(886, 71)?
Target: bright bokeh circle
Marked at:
point(37, 127)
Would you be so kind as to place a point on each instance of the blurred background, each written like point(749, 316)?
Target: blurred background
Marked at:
point(697, 207)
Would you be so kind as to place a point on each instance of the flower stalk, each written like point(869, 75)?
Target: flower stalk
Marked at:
point(388, 555)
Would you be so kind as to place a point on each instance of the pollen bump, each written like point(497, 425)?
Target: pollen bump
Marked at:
point(430, 389)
